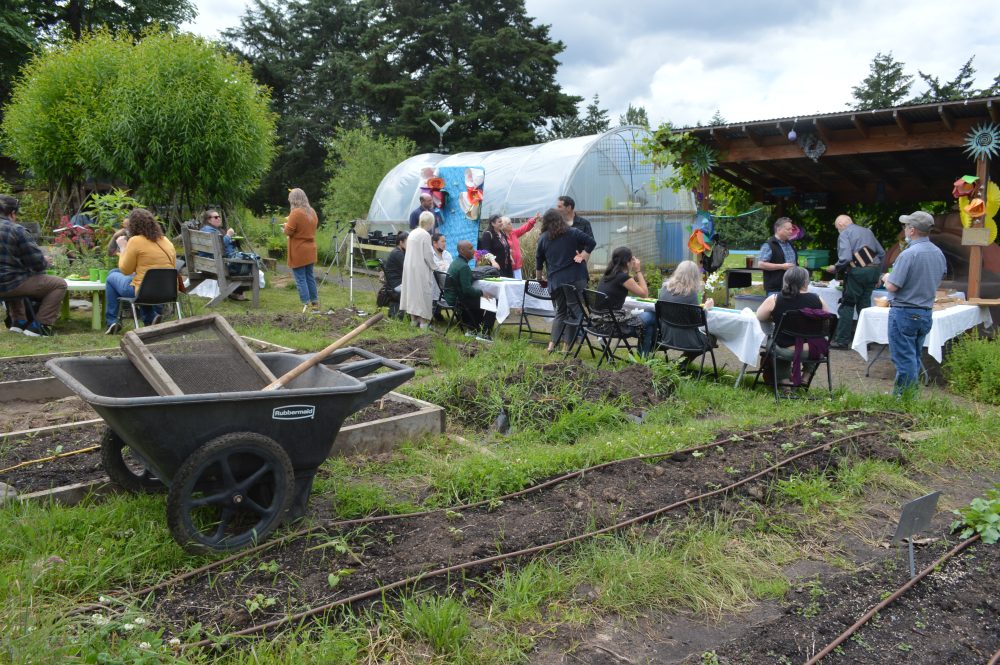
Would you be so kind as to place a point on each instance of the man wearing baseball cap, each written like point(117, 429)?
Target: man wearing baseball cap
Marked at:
point(912, 285)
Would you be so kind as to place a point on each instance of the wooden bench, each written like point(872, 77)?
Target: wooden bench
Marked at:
point(204, 256)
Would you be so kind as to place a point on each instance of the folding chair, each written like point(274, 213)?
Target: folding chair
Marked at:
point(443, 281)
point(805, 327)
point(685, 328)
point(608, 328)
point(534, 289)
point(572, 298)
point(158, 287)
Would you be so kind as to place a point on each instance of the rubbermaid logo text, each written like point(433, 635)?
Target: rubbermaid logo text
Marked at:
point(293, 412)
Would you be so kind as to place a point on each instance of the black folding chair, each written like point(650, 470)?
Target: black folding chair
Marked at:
point(602, 322)
point(572, 298)
point(684, 328)
point(158, 287)
point(534, 289)
point(807, 329)
point(444, 281)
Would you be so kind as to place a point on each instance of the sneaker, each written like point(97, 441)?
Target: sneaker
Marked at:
point(469, 333)
point(481, 338)
point(237, 296)
point(18, 326)
point(113, 329)
point(37, 329)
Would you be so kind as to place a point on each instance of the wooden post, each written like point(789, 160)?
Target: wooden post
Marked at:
point(975, 251)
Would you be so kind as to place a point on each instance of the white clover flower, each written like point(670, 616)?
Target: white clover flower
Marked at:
point(99, 619)
point(139, 621)
point(103, 599)
point(143, 645)
point(175, 642)
point(128, 626)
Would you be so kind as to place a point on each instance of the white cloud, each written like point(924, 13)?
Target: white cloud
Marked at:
point(752, 61)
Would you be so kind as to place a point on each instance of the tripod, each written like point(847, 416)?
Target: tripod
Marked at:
point(337, 260)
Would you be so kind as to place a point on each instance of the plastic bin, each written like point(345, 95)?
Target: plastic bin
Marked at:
point(745, 300)
point(813, 259)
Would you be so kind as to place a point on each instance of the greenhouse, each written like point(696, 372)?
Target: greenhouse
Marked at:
point(603, 173)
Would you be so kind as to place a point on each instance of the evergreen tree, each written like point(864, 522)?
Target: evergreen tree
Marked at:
point(634, 115)
point(716, 120)
point(71, 18)
point(593, 121)
point(884, 87)
point(994, 88)
point(17, 40)
point(959, 87)
point(483, 63)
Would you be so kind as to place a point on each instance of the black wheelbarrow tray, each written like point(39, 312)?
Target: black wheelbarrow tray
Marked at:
point(235, 463)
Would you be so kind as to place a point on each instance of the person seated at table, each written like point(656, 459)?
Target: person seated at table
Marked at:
point(211, 222)
point(394, 273)
point(495, 241)
point(442, 257)
point(461, 291)
point(683, 288)
point(22, 275)
point(622, 277)
point(147, 248)
point(794, 296)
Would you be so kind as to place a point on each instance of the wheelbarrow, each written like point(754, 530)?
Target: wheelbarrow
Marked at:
point(236, 464)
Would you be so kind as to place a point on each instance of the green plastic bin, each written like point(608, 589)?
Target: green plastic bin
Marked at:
point(813, 259)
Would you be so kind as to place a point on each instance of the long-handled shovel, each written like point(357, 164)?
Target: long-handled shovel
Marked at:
point(283, 380)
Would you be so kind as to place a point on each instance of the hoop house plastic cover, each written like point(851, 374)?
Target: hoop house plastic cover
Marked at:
point(603, 173)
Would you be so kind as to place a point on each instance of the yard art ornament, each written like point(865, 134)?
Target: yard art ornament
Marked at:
point(431, 184)
point(968, 210)
point(697, 243)
point(983, 141)
point(964, 186)
point(471, 199)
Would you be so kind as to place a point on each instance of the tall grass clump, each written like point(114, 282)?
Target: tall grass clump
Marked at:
point(973, 368)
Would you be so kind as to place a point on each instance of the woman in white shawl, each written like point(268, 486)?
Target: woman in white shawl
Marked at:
point(417, 294)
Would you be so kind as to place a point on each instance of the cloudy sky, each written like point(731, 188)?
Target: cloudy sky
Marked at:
point(683, 61)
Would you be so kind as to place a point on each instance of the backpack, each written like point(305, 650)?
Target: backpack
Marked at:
point(712, 261)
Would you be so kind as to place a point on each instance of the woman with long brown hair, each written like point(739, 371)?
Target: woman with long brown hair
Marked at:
point(563, 251)
point(301, 231)
point(144, 248)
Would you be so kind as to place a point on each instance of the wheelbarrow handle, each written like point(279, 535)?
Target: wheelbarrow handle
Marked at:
point(283, 380)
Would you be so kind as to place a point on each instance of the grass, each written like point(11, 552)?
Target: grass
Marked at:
point(53, 557)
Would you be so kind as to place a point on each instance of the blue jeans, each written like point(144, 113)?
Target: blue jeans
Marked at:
point(118, 286)
point(648, 331)
point(908, 326)
point(306, 284)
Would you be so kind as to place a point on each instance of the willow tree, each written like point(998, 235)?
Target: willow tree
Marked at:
point(170, 115)
point(56, 96)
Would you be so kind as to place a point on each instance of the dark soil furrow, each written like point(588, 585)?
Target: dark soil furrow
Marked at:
point(327, 565)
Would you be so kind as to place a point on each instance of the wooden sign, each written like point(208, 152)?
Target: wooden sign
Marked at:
point(977, 237)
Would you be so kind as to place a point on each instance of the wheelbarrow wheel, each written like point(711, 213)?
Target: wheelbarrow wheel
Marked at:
point(231, 492)
point(124, 467)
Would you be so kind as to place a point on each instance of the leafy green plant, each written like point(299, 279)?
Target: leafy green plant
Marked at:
point(441, 622)
point(982, 516)
point(973, 368)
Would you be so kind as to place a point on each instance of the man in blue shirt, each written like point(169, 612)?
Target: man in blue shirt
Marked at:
point(912, 284)
point(777, 255)
point(426, 204)
point(859, 281)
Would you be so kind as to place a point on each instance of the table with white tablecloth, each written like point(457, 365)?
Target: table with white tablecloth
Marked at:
point(873, 327)
point(507, 293)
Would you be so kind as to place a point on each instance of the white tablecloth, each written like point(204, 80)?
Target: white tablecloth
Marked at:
point(830, 296)
point(507, 294)
point(739, 331)
point(873, 326)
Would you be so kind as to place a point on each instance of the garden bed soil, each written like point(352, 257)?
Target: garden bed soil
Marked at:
point(415, 350)
point(384, 408)
point(60, 472)
point(952, 616)
point(293, 576)
point(335, 321)
point(28, 367)
point(19, 415)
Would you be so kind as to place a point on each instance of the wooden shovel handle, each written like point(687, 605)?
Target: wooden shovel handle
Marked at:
point(282, 380)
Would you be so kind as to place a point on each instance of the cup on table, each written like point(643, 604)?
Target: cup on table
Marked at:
point(95, 274)
point(103, 274)
point(749, 262)
point(881, 301)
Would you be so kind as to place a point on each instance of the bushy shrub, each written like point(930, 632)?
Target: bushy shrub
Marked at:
point(973, 368)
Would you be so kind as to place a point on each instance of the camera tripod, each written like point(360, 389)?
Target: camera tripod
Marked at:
point(348, 242)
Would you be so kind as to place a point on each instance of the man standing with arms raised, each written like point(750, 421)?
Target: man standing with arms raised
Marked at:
point(912, 284)
point(859, 257)
point(777, 255)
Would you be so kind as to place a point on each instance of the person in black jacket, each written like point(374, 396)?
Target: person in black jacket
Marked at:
point(778, 255)
point(567, 208)
point(559, 253)
point(495, 241)
point(394, 273)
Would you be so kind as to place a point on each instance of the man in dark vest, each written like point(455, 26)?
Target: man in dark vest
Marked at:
point(777, 255)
